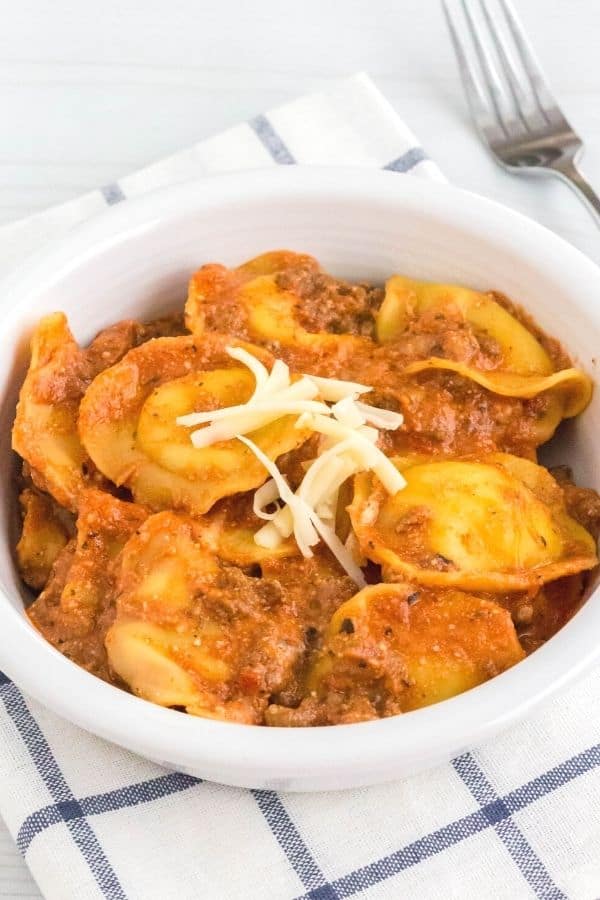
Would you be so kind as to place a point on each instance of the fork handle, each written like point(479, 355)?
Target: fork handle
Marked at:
point(571, 174)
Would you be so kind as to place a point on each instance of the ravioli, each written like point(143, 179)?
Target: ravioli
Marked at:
point(127, 424)
point(74, 609)
point(192, 633)
point(45, 430)
point(497, 525)
point(406, 298)
point(45, 532)
point(523, 370)
point(570, 389)
point(402, 648)
point(252, 304)
point(228, 531)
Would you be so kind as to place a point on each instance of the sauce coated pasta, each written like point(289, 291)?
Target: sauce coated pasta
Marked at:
point(302, 501)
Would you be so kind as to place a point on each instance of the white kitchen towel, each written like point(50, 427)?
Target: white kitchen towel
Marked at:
point(516, 818)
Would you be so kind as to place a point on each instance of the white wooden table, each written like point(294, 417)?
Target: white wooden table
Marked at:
point(90, 91)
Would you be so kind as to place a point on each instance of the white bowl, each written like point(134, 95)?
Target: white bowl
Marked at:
point(135, 261)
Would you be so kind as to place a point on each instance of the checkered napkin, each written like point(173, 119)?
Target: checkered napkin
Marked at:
point(516, 818)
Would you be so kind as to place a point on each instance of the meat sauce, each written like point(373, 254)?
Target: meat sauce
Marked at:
point(263, 639)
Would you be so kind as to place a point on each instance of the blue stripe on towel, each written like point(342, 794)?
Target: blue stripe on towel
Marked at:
point(96, 804)
point(407, 161)
point(112, 193)
point(410, 855)
point(498, 814)
point(290, 840)
point(459, 830)
point(271, 140)
point(50, 772)
point(554, 778)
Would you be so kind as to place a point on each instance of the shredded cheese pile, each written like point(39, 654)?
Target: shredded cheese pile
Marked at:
point(349, 429)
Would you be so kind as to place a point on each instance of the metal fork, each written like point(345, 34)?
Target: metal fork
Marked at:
point(510, 101)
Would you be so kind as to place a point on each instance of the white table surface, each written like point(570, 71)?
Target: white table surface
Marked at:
point(91, 91)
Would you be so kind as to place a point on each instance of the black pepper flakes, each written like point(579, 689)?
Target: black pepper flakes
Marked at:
point(311, 635)
point(347, 626)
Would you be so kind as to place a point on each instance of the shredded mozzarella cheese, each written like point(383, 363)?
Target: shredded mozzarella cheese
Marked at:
point(333, 389)
point(347, 413)
point(304, 532)
point(380, 418)
point(349, 429)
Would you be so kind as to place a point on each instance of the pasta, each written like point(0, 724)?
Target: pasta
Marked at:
point(45, 532)
point(45, 431)
point(398, 649)
point(265, 302)
point(316, 502)
point(284, 302)
point(496, 524)
point(188, 629)
point(131, 435)
point(74, 609)
point(518, 349)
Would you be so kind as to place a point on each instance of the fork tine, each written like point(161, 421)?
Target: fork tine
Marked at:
point(490, 75)
point(533, 70)
point(477, 100)
point(524, 102)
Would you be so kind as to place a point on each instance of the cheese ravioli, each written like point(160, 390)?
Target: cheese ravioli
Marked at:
point(512, 361)
point(76, 606)
point(394, 648)
point(262, 301)
point(127, 423)
point(495, 524)
point(192, 632)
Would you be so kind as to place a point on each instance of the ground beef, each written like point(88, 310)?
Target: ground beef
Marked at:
point(328, 304)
